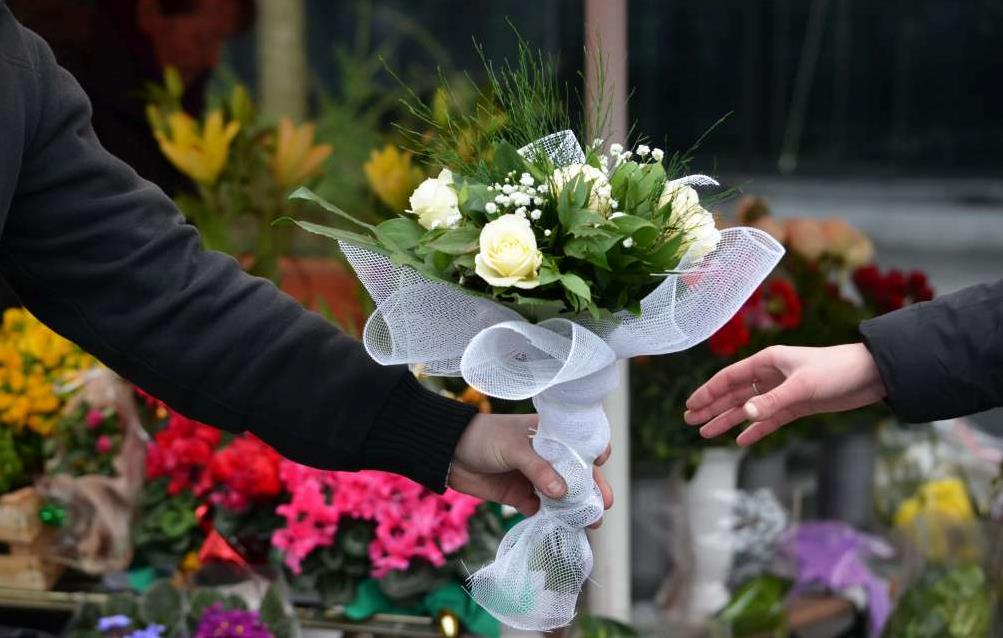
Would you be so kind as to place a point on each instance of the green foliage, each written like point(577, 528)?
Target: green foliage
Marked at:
point(944, 603)
point(756, 607)
point(602, 627)
point(168, 529)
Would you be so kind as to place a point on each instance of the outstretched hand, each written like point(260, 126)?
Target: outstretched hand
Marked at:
point(494, 460)
point(780, 384)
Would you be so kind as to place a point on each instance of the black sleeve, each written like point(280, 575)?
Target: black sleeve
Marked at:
point(105, 259)
point(942, 358)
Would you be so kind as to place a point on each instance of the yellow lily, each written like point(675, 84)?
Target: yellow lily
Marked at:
point(391, 176)
point(938, 518)
point(200, 155)
point(296, 157)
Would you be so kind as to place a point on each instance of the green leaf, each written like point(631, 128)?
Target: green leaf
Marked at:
point(666, 256)
point(629, 224)
point(591, 249)
point(272, 610)
point(507, 158)
point(162, 604)
point(585, 223)
point(458, 241)
point(306, 194)
point(620, 178)
point(402, 232)
point(330, 232)
point(548, 272)
point(576, 285)
point(464, 261)
point(477, 196)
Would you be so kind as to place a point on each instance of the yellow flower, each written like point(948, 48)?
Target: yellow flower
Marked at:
point(199, 154)
point(937, 517)
point(296, 158)
point(391, 176)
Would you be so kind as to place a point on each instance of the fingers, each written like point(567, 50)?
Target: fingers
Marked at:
point(761, 429)
point(780, 400)
point(723, 422)
point(602, 458)
point(734, 385)
point(605, 490)
point(539, 472)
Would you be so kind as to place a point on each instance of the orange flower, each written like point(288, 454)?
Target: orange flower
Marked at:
point(805, 237)
point(296, 157)
point(847, 243)
point(472, 396)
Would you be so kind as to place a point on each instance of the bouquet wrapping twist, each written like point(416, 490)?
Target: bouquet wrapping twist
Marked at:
point(566, 365)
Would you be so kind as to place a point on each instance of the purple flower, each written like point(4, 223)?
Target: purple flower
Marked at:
point(151, 631)
point(118, 621)
point(217, 622)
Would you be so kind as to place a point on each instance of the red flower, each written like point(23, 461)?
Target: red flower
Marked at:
point(731, 338)
point(783, 304)
point(247, 471)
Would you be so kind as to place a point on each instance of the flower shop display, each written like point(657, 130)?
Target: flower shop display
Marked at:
point(35, 364)
point(164, 611)
point(94, 475)
point(607, 247)
point(209, 494)
point(241, 167)
point(377, 542)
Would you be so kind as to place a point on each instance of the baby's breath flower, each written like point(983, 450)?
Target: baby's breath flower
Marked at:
point(625, 156)
point(535, 214)
point(615, 215)
point(657, 154)
point(503, 200)
point(547, 233)
point(643, 150)
point(491, 189)
point(526, 179)
point(614, 203)
point(491, 208)
point(597, 142)
point(616, 149)
point(521, 211)
point(508, 189)
point(538, 201)
point(521, 199)
point(627, 243)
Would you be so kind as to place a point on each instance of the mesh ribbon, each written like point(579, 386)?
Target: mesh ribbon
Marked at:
point(566, 366)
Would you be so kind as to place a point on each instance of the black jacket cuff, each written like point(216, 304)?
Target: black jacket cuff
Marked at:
point(415, 434)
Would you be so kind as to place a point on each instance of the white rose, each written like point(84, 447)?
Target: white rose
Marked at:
point(508, 255)
point(702, 236)
point(435, 202)
point(596, 179)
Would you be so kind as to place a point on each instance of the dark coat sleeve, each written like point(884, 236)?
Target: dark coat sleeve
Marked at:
point(105, 259)
point(942, 358)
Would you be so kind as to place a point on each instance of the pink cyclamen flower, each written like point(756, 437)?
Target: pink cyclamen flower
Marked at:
point(94, 418)
point(103, 445)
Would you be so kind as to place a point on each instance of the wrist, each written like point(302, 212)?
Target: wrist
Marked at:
point(871, 377)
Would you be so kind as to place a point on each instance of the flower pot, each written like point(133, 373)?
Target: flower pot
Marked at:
point(765, 471)
point(709, 497)
point(650, 533)
point(846, 477)
point(324, 284)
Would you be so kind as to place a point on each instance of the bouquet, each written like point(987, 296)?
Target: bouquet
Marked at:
point(528, 266)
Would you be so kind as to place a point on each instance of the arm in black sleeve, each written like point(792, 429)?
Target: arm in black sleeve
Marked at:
point(942, 358)
point(105, 259)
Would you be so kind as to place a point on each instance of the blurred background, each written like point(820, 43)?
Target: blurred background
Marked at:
point(865, 135)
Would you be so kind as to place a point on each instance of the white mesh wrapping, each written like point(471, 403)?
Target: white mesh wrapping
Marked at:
point(563, 149)
point(566, 366)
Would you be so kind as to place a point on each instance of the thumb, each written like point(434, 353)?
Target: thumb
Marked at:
point(540, 473)
point(783, 397)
